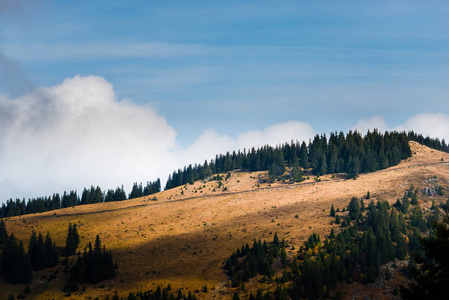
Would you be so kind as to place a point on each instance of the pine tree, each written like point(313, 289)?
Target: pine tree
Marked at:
point(3, 233)
point(272, 173)
point(323, 164)
point(52, 253)
point(395, 231)
point(40, 259)
point(93, 266)
point(337, 219)
point(332, 212)
point(354, 208)
point(303, 156)
point(295, 175)
point(362, 205)
point(72, 240)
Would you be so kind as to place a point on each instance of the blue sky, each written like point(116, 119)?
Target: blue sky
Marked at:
point(221, 73)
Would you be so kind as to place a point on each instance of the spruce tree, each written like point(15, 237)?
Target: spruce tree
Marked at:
point(354, 208)
point(337, 219)
point(295, 175)
point(41, 259)
point(394, 227)
point(52, 253)
point(332, 212)
point(272, 173)
point(3, 233)
point(303, 156)
point(72, 240)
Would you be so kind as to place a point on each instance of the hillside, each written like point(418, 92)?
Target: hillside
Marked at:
point(185, 235)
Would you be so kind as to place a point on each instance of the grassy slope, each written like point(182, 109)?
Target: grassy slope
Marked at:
point(184, 239)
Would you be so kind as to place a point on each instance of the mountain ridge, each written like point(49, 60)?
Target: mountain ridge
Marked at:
point(184, 239)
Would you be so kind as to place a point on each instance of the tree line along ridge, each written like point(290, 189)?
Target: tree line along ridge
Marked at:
point(349, 153)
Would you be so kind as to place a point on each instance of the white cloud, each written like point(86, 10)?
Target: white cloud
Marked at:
point(435, 125)
point(276, 134)
point(211, 143)
point(77, 134)
point(376, 122)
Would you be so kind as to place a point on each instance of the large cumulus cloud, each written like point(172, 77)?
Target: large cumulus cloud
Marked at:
point(77, 134)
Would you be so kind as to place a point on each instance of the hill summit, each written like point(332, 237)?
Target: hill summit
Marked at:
point(182, 236)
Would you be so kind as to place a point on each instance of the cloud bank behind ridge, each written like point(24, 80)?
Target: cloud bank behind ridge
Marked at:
point(78, 134)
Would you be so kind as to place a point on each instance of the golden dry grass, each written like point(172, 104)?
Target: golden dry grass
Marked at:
point(184, 239)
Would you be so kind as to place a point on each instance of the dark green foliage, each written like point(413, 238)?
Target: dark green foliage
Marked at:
point(303, 156)
point(413, 194)
point(395, 231)
point(350, 153)
point(247, 262)
point(151, 188)
point(402, 223)
point(430, 275)
point(117, 195)
point(354, 254)
point(137, 191)
point(362, 205)
point(272, 174)
point(37, 252)
point(434, 143)
point(417, 220)
point(42, 254)
point(72, 240)
point(52, 253)
point(94, 195)
point(332, 212)
point(296, 173)
point(354, 208)
point(93, 266)
point(16, 265)
point(159, 294)
point(3, 233)
point(405, 204)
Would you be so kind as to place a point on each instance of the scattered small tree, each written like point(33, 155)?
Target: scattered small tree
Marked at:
point(332, 212)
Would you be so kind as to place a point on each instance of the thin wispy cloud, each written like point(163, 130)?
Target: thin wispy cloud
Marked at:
point(102, 50)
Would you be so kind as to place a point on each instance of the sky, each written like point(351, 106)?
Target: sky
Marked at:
point(114, 92)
